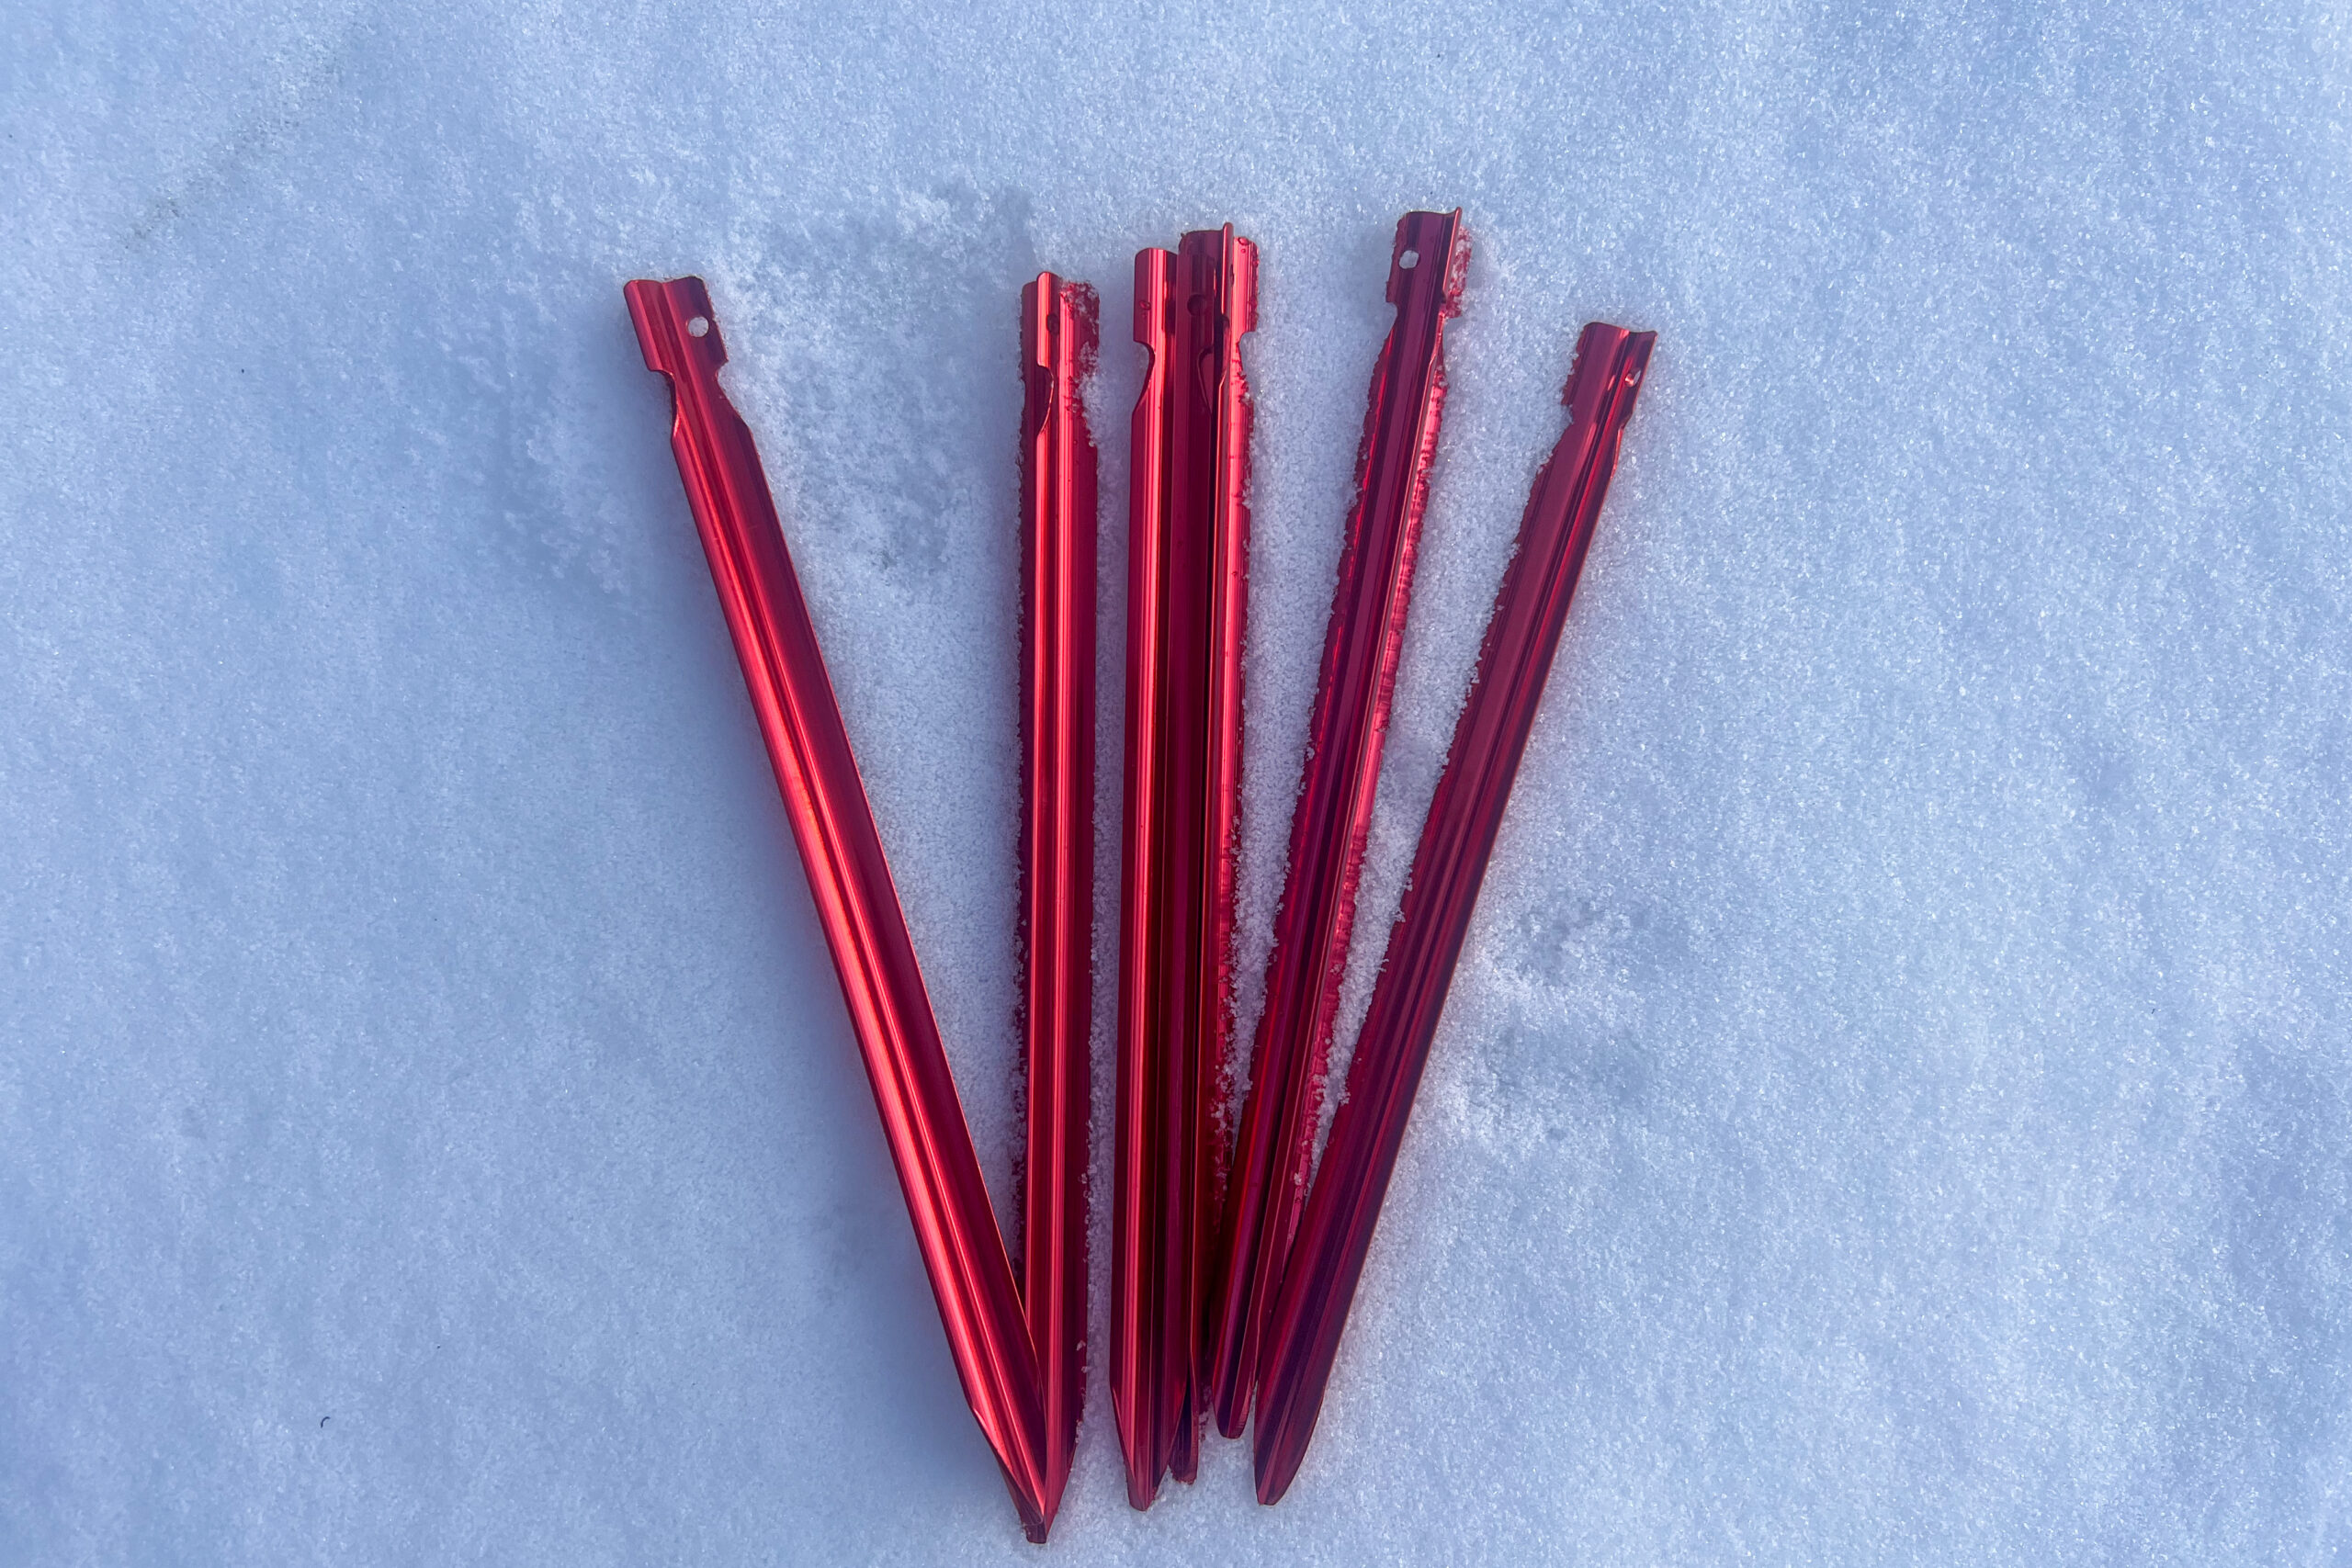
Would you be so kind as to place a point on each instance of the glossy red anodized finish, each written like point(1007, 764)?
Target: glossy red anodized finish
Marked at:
point(1187, 587)
point(1326, 1260)
point(857, 904)
point(1058, 337)
point(1276, 1145)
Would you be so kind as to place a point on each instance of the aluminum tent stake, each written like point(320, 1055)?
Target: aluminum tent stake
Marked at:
point(1058, 337)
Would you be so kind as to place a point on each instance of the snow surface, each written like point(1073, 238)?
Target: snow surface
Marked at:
point(1895, 1106)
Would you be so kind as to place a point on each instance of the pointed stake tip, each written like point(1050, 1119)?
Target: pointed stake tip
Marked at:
point(1273, 1480)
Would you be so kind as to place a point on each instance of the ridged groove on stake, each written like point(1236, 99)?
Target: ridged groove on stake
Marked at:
point(1187, 551)
point(1135, 1206)
point(1327, 1261)
point(1058, 337)
point(1361, 639)
point(857, 906)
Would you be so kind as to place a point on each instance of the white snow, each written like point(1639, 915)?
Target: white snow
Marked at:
point(1897, 1105)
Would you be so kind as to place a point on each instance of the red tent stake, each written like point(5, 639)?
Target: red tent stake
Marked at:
point(1057, 347)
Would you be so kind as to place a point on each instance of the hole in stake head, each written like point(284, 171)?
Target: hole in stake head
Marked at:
point(1409, 260)
point(699, 326)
